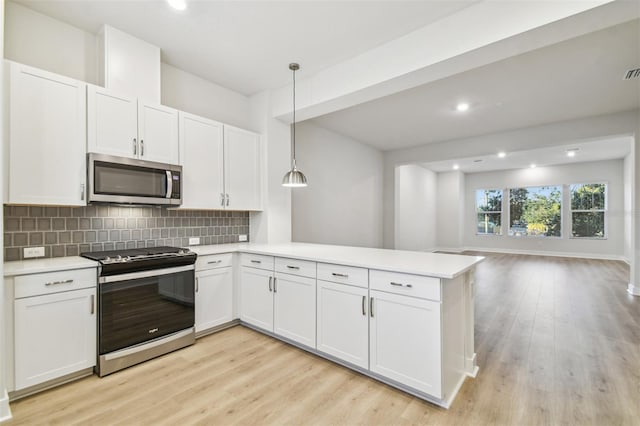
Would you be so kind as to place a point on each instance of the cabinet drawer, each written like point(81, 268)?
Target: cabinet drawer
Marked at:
point(257, 261)
point(214, 261)
point(303, 268)
point(54, 282)
point(343, 274)
point(406, 284)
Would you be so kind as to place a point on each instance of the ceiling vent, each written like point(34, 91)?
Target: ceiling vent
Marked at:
point(632, 74)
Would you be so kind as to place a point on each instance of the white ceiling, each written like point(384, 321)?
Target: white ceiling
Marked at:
point(247, 45)
point(606, 149)
point(581, 77)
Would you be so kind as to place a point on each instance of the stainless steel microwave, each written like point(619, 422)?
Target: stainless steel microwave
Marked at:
point(123, 180)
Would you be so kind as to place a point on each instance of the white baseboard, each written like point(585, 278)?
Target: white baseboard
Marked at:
point(633, 289)
point(549, 253)
point(449, 249)
point(5, 411)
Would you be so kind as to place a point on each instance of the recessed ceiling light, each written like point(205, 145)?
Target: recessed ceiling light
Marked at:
point(533, 166)
point(462, 106)
point(178, 4)
point(572, 152)
point(502, 154)
point(456, 167)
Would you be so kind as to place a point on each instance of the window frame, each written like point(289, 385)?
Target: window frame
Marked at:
point(604, 211)
point(493, 212)
point(562, 221)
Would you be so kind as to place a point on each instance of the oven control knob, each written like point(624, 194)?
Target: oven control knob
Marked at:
point(107, 259)
point(127, 259)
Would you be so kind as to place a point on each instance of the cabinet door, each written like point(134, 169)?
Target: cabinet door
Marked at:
point(214, 298)
point(405, 341)
point(295, 308)
point(256, 297)
point(158, 133)
point(242, 169)
point(47, 138)
point(202, 158)
point(343, 323)
point(55, 335)
point(112, 123)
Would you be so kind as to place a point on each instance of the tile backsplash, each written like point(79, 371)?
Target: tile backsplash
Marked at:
point(68, 231)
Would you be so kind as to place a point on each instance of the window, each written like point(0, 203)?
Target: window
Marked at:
point(489, 211)
point(535, 211)
point(588, 206)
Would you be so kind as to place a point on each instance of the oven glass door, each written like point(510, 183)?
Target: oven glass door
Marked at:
point(151, 305)
point(129, 180)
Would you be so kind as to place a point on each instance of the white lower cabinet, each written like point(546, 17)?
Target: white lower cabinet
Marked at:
point(343, 323)
point(405, 341)
point(55, 335)
point(281, 303)
point(295, 308)
point(214, 298)
point(256, 297)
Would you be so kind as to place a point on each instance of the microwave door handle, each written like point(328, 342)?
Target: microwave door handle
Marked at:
point(169, 184)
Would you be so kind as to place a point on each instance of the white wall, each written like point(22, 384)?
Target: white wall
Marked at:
point(43, 42)
point(38, 40)
point(187, 92)
point(416, 208)
point(5, 412)
point(450, 210)
point(628, 174)
point(343, 202)
point(273, 224)
point(610, 172)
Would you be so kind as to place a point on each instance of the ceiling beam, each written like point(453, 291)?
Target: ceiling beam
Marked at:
point(483, 33)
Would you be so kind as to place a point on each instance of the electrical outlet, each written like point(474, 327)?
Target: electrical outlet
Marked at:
point(242, 237)
point(33, 252)
point(194, 241)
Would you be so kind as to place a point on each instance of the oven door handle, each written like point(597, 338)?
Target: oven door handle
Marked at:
point(169, 184)
point(145, 274)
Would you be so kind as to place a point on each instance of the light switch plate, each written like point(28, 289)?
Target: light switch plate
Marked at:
point(242, 237)
point(30, 252)
point(194, 241)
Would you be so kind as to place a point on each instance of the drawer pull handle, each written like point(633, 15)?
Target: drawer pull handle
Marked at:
point(270, 281)
point(93, 304)
point(275, 288)
point(213, 262)
point(371, 307)
point(401, 285)
point(293, 267)
point(335, 274)
point(364, 304)
point(58, 282)
point(256, 261)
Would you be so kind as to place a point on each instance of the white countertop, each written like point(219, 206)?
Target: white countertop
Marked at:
point(410, 262)
point(34, 266)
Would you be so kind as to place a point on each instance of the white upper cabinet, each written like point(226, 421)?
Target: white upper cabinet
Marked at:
point(46, 161)
point(221, 165)
point(158, 133)
point(242, 169)
point(113, 123)
point(128, 127)
point(202, 155)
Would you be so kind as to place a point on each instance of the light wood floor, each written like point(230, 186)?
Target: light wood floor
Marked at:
point(558, 342)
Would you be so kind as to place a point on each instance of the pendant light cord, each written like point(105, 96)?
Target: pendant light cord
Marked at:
point(293, 140)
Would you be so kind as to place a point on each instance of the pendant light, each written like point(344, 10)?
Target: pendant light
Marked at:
point(294, 178)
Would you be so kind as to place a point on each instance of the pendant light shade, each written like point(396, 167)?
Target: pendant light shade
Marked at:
point(294, 178)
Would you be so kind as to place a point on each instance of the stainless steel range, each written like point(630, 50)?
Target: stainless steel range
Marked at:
point(145, 304)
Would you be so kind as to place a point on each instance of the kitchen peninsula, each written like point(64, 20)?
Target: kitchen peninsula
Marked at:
point(402, 317)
